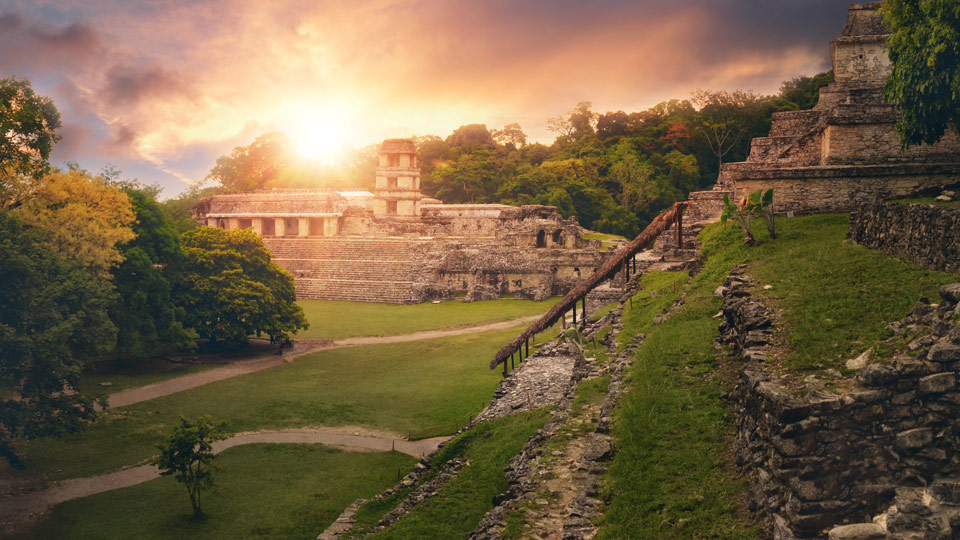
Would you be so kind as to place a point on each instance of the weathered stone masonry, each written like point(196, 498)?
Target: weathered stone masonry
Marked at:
point(821, 459)
point(925, 234)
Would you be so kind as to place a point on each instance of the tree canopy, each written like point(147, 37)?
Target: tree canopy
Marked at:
point(53, 322)
point(925, 81)
point(28, 128)
point(229, 288)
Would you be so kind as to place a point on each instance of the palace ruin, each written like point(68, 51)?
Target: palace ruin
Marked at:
point(396, 245)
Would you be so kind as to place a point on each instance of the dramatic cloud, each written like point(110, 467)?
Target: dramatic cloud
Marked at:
point(161, 88)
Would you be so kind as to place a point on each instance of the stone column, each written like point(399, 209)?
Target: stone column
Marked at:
point(330, 227)
point(304, 228)
point(257, 224)
point(280, 226)
point(211, 222)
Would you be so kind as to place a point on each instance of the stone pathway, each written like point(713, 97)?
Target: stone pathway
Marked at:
point(24, 508)
point(303, 346)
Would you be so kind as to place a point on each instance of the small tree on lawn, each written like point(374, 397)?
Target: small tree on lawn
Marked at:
point(757, 204)
point(187, 455)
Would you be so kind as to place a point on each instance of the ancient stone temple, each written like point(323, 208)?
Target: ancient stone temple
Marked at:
point(845, 150)
point(396, 245)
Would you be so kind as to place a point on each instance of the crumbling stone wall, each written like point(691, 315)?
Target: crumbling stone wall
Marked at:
point(815, 459)
point(925, 234)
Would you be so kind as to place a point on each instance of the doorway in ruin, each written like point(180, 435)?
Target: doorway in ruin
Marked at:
point(392, 208)
point(292, 227)
point(541, 239)
point(558, 238)
point(243, 223)
point(316, 227)
point(269, 227)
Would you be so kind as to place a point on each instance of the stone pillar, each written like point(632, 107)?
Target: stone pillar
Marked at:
point(233, 224)
point(304, 227)
point(330, 226)
point(211, 222)
point(280, 226)
point(257, 224)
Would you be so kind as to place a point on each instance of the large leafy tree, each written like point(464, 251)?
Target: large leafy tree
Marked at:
point(52, 322)
point(146, 317)
point(28, 128)
point(925, 82)
point(252, 167)
point(230, 289)
point(84, 216)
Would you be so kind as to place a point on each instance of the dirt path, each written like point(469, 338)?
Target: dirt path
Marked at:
point(20, 510)
point(303, 346)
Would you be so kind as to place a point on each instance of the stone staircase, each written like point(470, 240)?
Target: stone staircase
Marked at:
point(352, 269)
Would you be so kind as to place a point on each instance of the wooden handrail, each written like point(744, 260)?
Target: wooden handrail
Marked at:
point(659, 224)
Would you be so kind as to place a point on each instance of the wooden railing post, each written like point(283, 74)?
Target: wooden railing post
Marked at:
point(679, 230)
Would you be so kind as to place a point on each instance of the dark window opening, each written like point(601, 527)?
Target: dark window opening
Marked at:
point(245, 223)
point(392, 182)
point(541, 239)
point(392, 207)
point(393, 161)
point(557, 237)
point(269, 227)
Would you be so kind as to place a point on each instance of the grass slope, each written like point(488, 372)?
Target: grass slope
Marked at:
point(336, 320)
point(836, 297)
point(458, 507)
point(423, 388)
point(264, 491)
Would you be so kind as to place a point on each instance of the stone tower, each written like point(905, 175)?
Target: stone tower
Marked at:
point(398, 180)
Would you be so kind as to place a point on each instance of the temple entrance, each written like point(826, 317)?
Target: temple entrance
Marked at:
point(269, 228)
point(541, 239)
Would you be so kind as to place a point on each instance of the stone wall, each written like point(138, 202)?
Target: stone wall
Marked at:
point(816, 459)
point(926, 234)
point(840, 188)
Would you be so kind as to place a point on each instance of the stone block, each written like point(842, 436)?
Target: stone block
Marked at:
point(942, 353)
point(914, 438)
point(951, 292)
point(857, 531)
point(946, 491)
point(876, 375)
point(935, 384)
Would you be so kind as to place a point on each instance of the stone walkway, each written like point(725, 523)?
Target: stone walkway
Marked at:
point(303, 346)
point(23, 508)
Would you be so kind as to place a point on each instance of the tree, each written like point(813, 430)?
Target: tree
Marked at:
point(187, 455)
point(52, 322)
point(511, 135)
point(145, 315)
point(251, 167)
point(229, 289)
point(28, 128)
point(723, 122)
point(925, 81)
point(84, 217)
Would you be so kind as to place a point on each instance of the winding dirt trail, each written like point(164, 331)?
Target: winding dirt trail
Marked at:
point(303, 346)
point(19, 510)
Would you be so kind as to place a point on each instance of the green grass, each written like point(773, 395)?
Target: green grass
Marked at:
point(658, 291)
point(457, 509)
point(423, 388)
point(264, 491)
point(837, 297)
point(669, 478)
point(337, 320)
point(141, 375)
point(925, 200)
point(595, 349)
point(607, 241)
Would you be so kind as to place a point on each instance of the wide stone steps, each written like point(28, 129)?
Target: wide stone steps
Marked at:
point(349, 269)
point(394, 292)
point(340, 249)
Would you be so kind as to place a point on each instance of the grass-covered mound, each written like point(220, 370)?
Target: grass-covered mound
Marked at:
point(263, 491)
point(672, 478)
point(461, 504)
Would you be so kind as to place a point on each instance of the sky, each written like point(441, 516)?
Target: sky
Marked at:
point(160, 88)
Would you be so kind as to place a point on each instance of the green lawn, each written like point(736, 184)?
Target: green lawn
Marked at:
point(335, 320)
point(264, 491)
point(607, 241)
point(926, 200)
point(458, 507)
point(837, 297)
point(658, 290)
point(110, 380)
point(423, 388)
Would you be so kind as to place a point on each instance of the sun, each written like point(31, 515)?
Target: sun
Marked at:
point(318, 142)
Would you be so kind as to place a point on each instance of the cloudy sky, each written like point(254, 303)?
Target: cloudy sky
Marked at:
point(161, 88)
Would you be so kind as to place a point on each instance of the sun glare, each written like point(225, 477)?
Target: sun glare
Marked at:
point(318, 133)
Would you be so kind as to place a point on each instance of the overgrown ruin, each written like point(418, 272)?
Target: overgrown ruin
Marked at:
point(397, 245)
point(846, 150)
